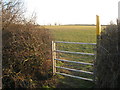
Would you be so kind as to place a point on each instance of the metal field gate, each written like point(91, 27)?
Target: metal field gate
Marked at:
point(55, 59)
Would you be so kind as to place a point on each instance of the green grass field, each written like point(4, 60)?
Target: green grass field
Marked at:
point(86, 34)
point(74, 33)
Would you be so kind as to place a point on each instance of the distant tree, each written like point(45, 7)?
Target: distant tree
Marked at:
point(13, 12)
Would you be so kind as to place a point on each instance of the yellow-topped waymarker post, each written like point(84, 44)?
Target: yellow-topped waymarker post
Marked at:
point(98, 34)
point(98, 26)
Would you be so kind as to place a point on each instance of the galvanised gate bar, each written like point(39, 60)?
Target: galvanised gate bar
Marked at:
point(54, 51)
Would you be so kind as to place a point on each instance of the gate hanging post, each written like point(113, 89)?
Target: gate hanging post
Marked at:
point(98, 33)
point(54, 57)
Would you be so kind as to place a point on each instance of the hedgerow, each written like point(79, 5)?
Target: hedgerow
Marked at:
point(107, 61)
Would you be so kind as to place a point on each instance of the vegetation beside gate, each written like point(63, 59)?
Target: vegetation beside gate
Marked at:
point(108, 61)
point(26, 50)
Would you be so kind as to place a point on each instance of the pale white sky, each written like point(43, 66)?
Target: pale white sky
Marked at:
point(73, 11)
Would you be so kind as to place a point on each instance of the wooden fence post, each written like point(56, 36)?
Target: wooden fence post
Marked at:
point(98, 33)
point(54, 57)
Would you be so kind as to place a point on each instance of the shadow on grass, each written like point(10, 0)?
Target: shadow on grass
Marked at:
point(69, 82)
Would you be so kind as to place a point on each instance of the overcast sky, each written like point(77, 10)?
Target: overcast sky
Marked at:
point(73, 11)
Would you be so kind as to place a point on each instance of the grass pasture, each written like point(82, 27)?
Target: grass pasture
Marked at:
point(86, 34)
point(74, 33)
